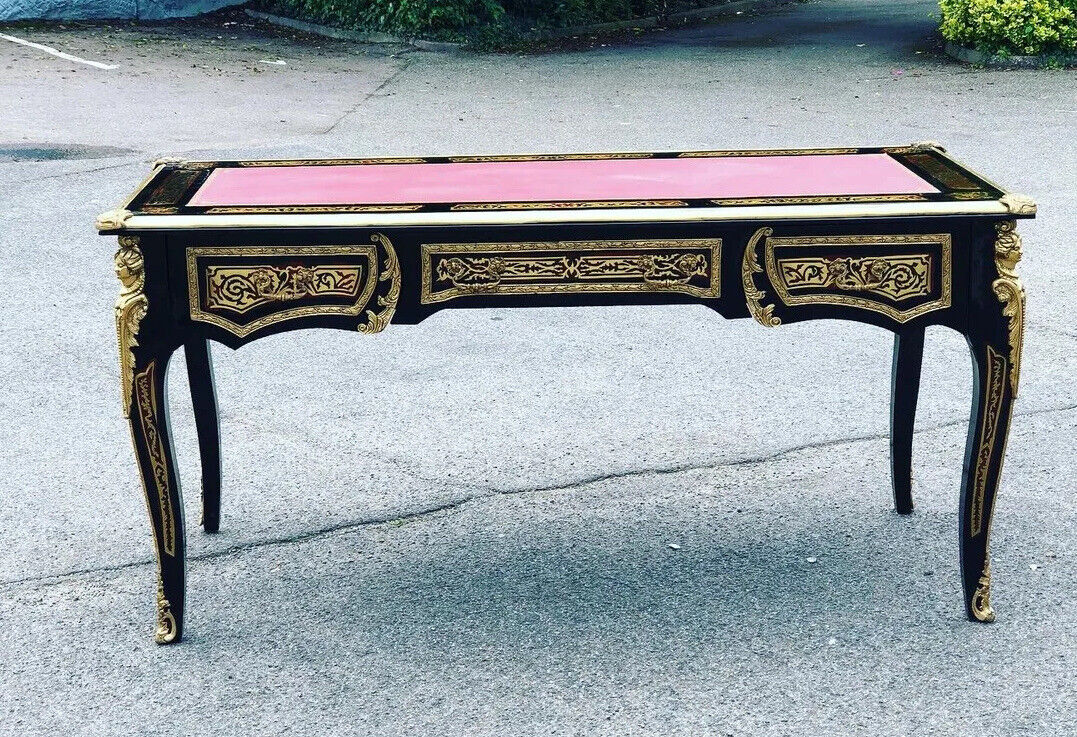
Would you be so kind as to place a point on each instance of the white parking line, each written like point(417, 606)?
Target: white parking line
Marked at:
point(57, 52)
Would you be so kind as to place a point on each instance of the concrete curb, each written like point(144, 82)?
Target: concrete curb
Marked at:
point(343, 34)
point(979, 58)
point(737, 7)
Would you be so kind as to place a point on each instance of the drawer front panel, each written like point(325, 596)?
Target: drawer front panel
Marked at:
point(685, 266)
point(245, 289)
point(900, 276)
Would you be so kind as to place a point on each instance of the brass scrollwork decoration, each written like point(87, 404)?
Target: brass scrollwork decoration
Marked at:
point(981, 599)
point(1010, 292)
point(481, 272)
point(763, 314)
point(895, 277)
point(377, 321)
point(131, 307)
point(242, 288)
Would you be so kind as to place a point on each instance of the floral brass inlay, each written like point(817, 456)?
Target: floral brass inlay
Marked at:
point(896, 277)
point(753, 296)
point(1010, 292)
point(131, 307)
point(995, 380)
point(241, 288)
point(377, 321)
point(689, 266)
point(981, 599)
point(235, 288)
point(146, 390)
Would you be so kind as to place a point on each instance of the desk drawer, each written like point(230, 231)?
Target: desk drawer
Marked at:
point(246, 289)
point(900, 276)
point(689, 266)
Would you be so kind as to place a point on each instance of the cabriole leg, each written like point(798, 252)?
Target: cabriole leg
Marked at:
point(143, 370)
point(160, 482)
point(204, 399)
point(989, 426)
point(905, 386)
point(996, 357)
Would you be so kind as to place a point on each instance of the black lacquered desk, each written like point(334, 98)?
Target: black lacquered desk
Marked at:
point(231, 251)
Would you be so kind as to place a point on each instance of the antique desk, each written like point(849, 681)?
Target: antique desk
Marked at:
point(901, 237)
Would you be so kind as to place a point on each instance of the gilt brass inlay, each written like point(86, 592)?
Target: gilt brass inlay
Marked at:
point(146, 393)
point(753, 296)
point(567, 205)
point(1010, 292)
point(766, 152)
point(895, 277)
point(995, 381)
point(549, 157)
point(818, 199)
point(687, 266)
point(131, 307)
point(239, 287)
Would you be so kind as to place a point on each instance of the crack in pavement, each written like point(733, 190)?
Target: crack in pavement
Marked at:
point(385, 83)
point(80, 172)
point(490, 493)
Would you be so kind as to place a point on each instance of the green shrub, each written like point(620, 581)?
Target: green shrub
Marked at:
point(1011, 26)
point(435, 18)
point(470, 19)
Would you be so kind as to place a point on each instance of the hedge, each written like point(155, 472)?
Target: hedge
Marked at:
point(470, 19)
point(1009, 27)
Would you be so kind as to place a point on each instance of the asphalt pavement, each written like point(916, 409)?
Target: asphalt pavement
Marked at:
point(467, 527)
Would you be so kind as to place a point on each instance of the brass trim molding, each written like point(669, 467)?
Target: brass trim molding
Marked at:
point(981, 599)
point(918, 147)
point(766, 152)
point(1010, 292)
point(331, 162)
point(131, 307)
point(767, 213)
point(568, 267)
point(995, 379)
point(549, 157)
point(893, 276)
point(302, 209)
point(376, 322)
point(197, 289)
point(753, 296)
